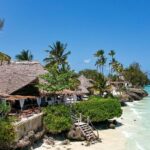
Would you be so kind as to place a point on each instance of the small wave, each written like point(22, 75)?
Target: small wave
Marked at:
point(127, 134)
point(139, 146)
point(136, 102)
point(130, 104)
point(136, 112)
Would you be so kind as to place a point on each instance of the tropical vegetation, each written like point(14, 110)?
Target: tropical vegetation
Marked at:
point(101, 60)
point(4, 58)
point(57, 118)
point(113, 60)
point(59, 76)
point(99, 109)
point(90, 73)
point(56, 80)
point(7, 132)
point(99, 81)
point(136, 76)
point(25, 55)
point(4, 109)
point(57, 55)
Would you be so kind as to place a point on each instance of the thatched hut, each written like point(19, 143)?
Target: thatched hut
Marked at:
point(18, 79)
point(84, 86)
point(17, 75)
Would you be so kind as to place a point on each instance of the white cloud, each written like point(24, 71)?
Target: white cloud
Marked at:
point(87, 61)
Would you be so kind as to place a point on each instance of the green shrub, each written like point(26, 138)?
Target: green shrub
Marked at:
point(99, 109)
point(7, 134)
point(4, 109)
point(57, 118)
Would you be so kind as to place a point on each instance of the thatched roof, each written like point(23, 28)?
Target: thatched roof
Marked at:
point(84, 84)
point(19, 97)
point(2, 95)
point(65, 92)
point(17, 75)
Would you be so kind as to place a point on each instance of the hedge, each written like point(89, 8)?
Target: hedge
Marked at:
point(99, 109)
point(7, 134)
point(57, 118)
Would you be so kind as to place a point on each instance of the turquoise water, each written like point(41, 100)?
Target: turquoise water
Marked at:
point(137, 124)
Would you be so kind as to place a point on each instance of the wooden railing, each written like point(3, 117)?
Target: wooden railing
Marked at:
point(85, 119)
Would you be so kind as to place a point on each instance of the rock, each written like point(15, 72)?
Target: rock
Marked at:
point(65, 142)
point(99, 140)
point(134, 96)
point(88, 143)
point(76, 134)
point(136, 93)
point(45, 137)
point(39, 135)
point(26, 138)
point(123, 103)
point(31, 134)
point(112, 126)
point(49, 141)
point(23, 143)
point(115, 122)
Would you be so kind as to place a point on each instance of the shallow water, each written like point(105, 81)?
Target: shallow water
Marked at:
point(137, 124)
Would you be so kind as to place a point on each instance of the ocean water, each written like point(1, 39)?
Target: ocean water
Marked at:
point(137, 124)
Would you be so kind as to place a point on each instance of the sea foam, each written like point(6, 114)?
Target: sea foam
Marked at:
point(139, 147)
point(127, 134)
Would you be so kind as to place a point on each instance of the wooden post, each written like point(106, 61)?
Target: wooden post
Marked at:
point(88, 120)
point(80, 117)
point(78, 122)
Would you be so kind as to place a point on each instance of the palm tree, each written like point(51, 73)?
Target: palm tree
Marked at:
point(1, 23)
point(117, 67)
point(57, 55)
point(25, 55)
point(4, 57)
point(112, 54)
point(100, 84)
point(101, 60)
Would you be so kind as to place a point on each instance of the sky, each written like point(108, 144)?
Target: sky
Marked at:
point(85, 25)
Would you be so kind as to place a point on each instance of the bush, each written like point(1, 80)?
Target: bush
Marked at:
point(99, 109)
point(4, 109)
point(136, 76)
point(7, 134)
point(57, 118)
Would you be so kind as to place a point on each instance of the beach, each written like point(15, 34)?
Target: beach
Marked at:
point(112, 139)
point(132, 133)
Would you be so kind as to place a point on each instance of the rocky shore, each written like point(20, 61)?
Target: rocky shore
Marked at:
point(133, 94)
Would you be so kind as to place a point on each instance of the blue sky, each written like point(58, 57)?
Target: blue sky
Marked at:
point(85, 25)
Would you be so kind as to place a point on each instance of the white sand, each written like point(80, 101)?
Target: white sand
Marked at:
point(112, 139)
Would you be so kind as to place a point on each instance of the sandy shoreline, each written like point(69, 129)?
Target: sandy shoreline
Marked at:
point(112, 139)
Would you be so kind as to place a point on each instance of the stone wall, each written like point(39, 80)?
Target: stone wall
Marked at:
point(26, 125)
